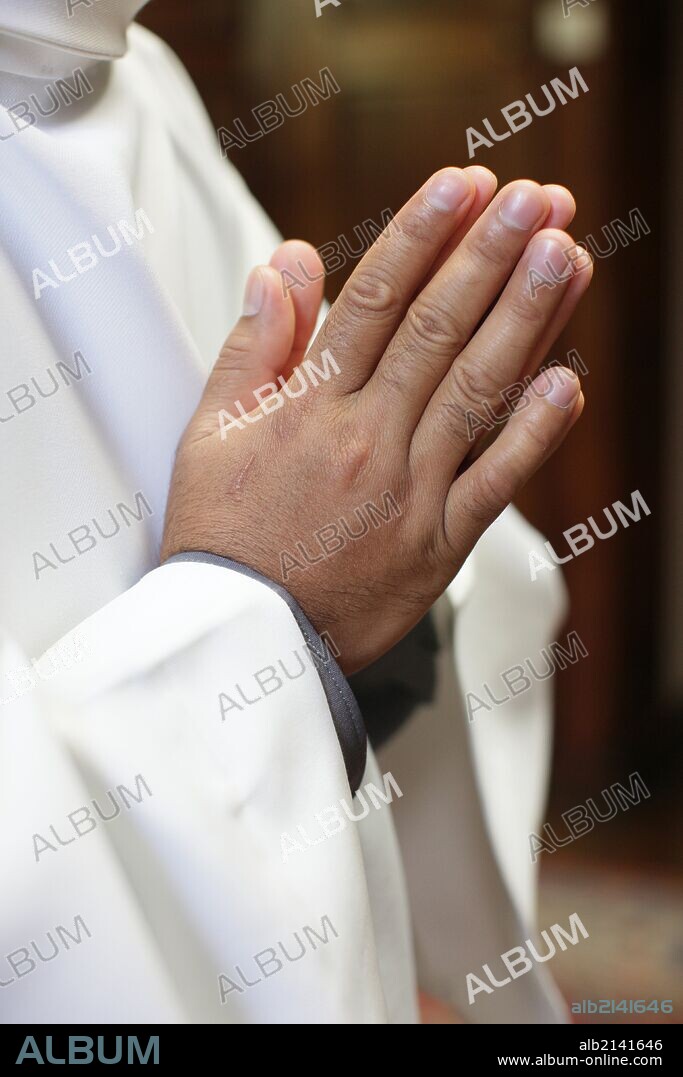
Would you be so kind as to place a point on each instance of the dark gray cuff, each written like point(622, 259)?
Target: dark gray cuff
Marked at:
point(346, 715)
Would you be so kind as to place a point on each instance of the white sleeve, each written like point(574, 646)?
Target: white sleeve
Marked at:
point(475, 783)
point(145, 792)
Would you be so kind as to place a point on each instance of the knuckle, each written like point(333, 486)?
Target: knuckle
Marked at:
point(490, 490)
point(237, 350)
point(391, 374)
point(524, 311)
point(470, 384)
point(489, 251)
point(418, 228)
point(451, 419)
point(535, 433)
point(429, 326)
point(352, 459)
point(370, 293)
point(351, 451)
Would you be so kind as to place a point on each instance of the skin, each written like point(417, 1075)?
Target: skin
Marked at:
point(435, 1012)
point(436, 319)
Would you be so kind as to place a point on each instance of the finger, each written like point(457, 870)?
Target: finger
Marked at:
point(494, 360)
point(500, 413)
point(575, 291)
point(485, 183)
point(303, 278)
point(544, 417)
point(256, 351)
point(562, 206)
point(374, 300)
point(560, 214)
point(446, 313)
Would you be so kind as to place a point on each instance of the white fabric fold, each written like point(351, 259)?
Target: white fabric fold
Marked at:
point(194, 865)
point(45, 37)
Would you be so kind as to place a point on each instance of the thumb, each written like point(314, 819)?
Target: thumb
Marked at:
point(303, 277)
point(256, 350)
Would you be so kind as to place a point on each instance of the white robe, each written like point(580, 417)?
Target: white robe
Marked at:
point(188, 883)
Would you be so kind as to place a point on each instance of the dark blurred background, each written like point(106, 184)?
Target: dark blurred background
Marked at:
point(414, 75)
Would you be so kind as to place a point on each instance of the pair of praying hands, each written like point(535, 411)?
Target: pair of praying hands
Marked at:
point(441, 315)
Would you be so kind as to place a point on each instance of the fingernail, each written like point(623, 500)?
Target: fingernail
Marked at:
point(448, 189)
point(523, 207)
point(559, 386)
point(580, 259)
point(253, 294)
point(549, 258)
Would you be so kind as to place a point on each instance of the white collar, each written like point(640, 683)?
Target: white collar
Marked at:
point(48, 38)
